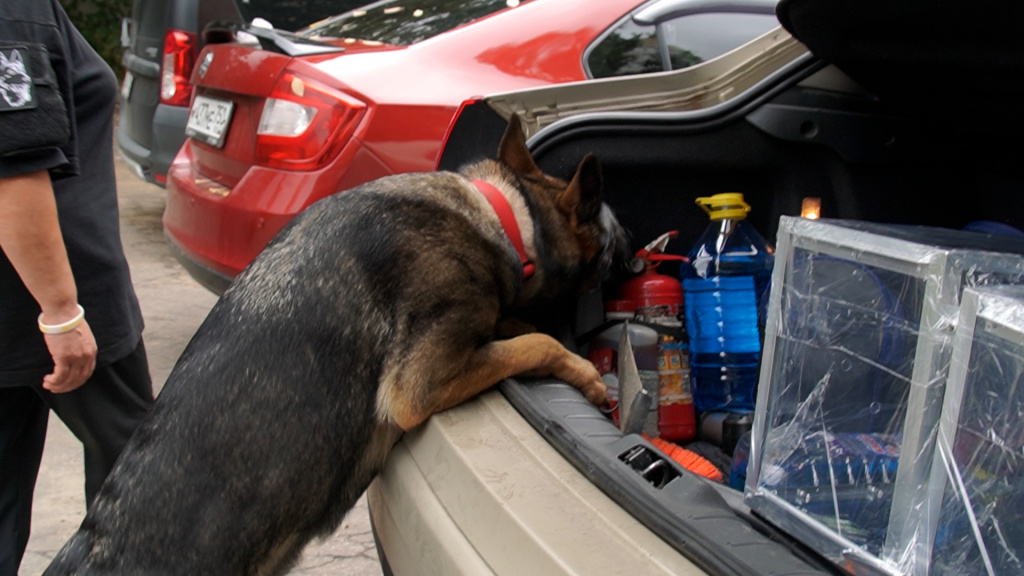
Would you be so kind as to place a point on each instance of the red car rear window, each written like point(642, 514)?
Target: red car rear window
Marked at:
point(404, 22)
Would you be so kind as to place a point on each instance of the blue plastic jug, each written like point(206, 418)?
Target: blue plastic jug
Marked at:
point(728, 274)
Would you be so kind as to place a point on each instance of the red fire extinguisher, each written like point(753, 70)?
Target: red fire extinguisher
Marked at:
point(659, 301)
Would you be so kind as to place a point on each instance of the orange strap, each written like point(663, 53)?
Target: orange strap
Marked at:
point(688, 459)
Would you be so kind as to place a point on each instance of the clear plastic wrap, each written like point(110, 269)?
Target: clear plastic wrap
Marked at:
point(977, 488)
point(858, 345)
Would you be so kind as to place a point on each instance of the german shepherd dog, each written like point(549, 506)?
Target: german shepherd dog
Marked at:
point(372, 310)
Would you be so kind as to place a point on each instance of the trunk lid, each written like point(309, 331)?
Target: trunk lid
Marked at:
point(263, 56)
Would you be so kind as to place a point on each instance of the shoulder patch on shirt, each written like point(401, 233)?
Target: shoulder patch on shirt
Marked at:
point(16, 89)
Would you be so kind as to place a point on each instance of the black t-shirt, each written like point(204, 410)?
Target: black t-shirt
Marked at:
point(62, 123)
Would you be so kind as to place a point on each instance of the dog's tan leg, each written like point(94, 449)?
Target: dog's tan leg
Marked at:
point(531, 354)
point(509, 327)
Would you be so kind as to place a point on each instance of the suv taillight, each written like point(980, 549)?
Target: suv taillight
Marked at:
point(176, 70)
point(305, 124)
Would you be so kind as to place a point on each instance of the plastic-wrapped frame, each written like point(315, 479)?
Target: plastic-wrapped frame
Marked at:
point(976, 495)
point(859, 335)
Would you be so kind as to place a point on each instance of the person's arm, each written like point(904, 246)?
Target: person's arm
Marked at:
point(30, 237)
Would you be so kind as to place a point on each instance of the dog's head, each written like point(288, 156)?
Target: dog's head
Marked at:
point(579, 240)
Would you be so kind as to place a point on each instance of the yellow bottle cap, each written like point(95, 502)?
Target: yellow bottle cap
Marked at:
point(725, 205)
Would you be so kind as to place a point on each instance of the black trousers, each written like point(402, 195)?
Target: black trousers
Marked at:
point(102, 414)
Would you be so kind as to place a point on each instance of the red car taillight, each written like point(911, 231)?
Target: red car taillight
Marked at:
point(304, 124)
point(179, 59)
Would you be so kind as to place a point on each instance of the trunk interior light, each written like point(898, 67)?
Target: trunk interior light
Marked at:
point(811, 208)
point(176, 69)
point(305, 123)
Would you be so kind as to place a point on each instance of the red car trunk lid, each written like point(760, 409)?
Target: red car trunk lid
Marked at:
point(216, 76)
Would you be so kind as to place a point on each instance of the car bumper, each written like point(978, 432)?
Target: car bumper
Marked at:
point(209, 278)
point(213, 228)
point(152, 163)
point(218, 230)
point(476, 490)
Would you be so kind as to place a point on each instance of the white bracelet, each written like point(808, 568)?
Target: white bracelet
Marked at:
point(63, 327)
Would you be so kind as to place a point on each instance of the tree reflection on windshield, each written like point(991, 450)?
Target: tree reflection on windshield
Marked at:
point(404, 22)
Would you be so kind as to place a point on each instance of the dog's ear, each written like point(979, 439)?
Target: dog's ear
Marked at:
point(513, 152)
point(582, 199)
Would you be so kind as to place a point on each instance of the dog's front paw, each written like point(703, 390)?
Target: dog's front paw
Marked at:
point(582, 374)
point(596, 392)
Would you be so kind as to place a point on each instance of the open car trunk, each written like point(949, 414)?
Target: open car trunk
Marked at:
point(905, 114)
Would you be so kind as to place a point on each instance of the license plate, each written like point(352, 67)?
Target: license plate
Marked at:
point(208, 120)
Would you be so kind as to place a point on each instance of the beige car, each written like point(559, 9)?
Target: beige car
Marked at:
point(531, 478)
point(880, 120)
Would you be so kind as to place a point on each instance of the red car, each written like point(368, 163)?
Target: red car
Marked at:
point(280, 120)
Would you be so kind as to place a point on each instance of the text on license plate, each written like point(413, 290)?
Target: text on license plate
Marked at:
point(208, 120)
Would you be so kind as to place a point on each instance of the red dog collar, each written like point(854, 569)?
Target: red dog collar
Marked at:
point(508, 222)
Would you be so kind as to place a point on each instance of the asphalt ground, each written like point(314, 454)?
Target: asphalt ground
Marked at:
point(173, 306)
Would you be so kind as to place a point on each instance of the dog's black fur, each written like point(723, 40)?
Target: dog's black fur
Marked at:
point(375, 308)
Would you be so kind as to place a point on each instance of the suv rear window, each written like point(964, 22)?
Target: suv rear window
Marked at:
point(405, 22)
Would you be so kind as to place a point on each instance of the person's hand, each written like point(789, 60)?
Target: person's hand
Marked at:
point(74, 358)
